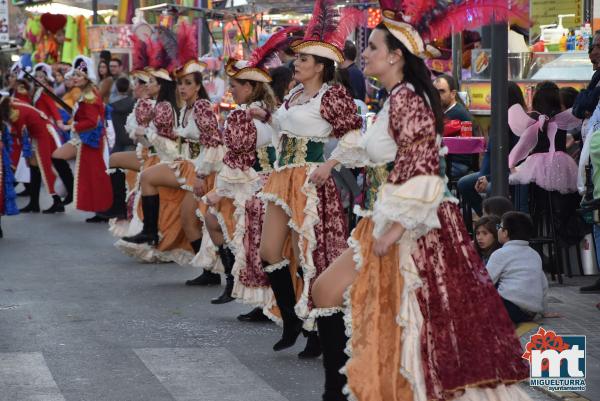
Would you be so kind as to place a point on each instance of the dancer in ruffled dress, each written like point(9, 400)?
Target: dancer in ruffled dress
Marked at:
point(300, 195)
point(424, 319)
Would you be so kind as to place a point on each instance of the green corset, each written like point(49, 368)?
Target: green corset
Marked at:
point(375, 177)
point(300, 150)
point(194, 149)
point(265, 158)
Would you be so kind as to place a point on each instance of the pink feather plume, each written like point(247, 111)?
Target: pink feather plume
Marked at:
point(323, 22)
point(470, 15)
point(350, 19)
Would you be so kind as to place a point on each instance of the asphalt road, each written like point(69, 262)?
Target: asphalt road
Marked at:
point(80, 321)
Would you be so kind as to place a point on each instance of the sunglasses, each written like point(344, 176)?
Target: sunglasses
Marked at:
point(499, 226)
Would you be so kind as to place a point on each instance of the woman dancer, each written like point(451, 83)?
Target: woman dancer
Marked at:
point(235, 216)
point(91, 187)
point(300, 195)
point(413, 283)
point(25, 118)
point(41, 100)
point(173, 176)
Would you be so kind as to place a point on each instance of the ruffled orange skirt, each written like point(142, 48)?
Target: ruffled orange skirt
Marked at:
point(376, 340)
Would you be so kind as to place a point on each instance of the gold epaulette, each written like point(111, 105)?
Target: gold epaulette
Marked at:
point(90, 96)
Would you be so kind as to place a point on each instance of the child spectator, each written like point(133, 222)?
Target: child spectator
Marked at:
point(486, 236)
point(496, 206)
point(516, 269)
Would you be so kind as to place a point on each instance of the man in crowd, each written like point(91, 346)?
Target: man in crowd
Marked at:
point(453, 110)
point(115, 68)
point(355, 75)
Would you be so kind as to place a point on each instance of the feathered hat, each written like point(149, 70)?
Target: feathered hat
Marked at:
point(255, 68)
point(87, 66)
point(162, 53)
point(187, 55)
point(328, 30)
point(46, 69)
point(417, 23)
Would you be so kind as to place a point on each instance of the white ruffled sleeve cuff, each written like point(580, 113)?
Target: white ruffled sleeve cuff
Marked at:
point(237, 184)
point(413, 204)
point(167, 149)
point(131, 125)
point(349, 151)
point(210, 160)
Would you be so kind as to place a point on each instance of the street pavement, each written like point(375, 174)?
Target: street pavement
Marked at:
point(79, 321)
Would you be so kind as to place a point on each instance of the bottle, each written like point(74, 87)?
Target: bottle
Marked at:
point(562, 44)
point(588, 36)
point(571, 41)
point(578, 40)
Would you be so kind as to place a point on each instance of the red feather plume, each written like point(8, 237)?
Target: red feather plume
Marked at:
point(350, 19)
point(262, 55)
point(323, 22)
point(187, 43)
point(414, 9)
point(157, 54)
point(140, 57)
point(470, 15)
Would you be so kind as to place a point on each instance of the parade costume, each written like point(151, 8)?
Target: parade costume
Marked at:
point(25, 118)
point(162, 238)
point(41, 100)
point(91, 188)
point(546, 162)
point(8, 205)
point(315, 213)
point(407, 313)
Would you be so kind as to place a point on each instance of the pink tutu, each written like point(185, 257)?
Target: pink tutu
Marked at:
point(551, 171)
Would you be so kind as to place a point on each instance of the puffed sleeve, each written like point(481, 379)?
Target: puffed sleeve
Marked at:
point(339, 109)
point(415, 188)
point(237, 179)
point(160, 132)
point(212, 151)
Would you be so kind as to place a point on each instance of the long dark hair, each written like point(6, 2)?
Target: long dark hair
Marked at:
point(280, 81)
point(202, 94)
point(489, 223)
point(546, 99)
point(328, 68)
point(515, 95)
point(168, 93)
point(418, 75)
point(343, 77)
point(101, 77)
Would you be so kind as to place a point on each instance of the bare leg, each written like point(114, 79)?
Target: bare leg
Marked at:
point(274, 232)
point(328, 289)
point(190, 224)
point(214, 229)
point(125, 160)
point(65, 152)
point(156, 176)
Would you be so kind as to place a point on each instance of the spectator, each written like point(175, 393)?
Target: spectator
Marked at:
point(116, 71)
point(59, 83)
point(343, 77)
point(121, 108)
point(516, 269)
point(355, 76)
point(105, 56)
point(486, 236)
point(497, 206)
point(453, 110)
point(587, 99)
point(105, 81)
point(472, 186)
point(568, 95)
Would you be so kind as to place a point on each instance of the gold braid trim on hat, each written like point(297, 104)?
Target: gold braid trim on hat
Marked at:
point(310, 43)
point(407, 34)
